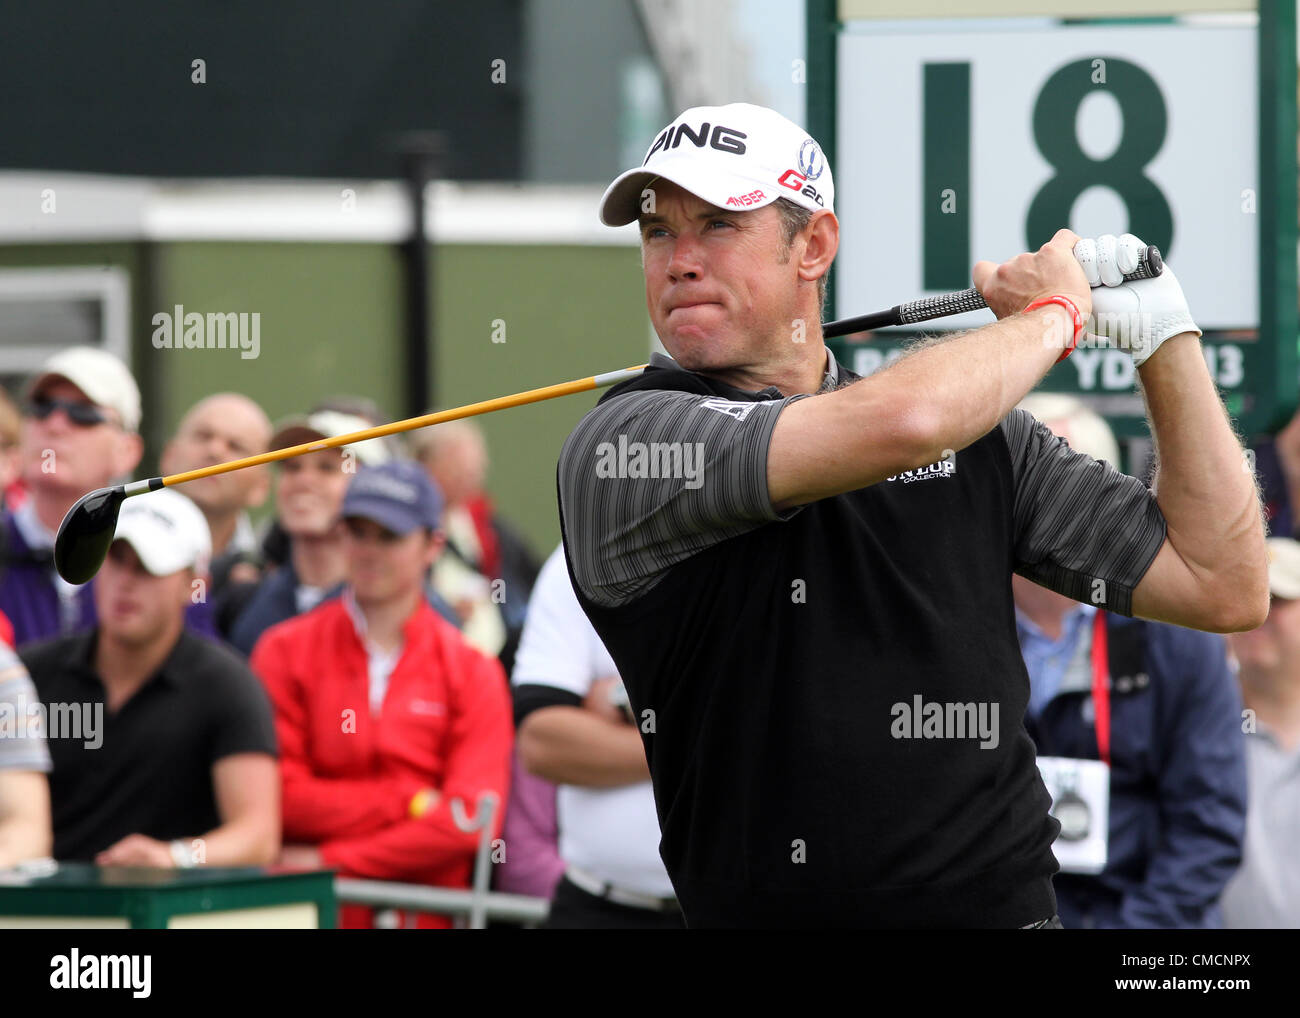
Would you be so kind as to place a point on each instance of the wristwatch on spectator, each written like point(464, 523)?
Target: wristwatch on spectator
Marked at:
point(182, 856)
point(618, 697)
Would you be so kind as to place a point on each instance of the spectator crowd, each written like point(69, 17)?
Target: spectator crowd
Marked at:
point(343, 685)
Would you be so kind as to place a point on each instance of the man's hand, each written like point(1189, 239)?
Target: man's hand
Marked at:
point(598, 700)
point(1010, 287)
point(137, 850)
point(305, 857)
point(1136, 316)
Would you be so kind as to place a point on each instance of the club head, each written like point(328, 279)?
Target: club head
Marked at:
point(86, 532)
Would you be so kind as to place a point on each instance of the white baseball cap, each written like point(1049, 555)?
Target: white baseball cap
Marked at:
point(331, 424)
point(740, 157)
point(167, 531)
point(101, 376)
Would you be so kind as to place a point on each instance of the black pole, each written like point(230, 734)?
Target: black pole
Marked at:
point(421, 154)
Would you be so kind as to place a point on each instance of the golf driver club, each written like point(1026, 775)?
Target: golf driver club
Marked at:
point(88, 527)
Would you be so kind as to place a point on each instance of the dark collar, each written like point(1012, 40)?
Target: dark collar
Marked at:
point(175, 667)
point(665, 373)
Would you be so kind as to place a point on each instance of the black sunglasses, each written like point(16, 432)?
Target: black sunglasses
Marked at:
point(84, 414)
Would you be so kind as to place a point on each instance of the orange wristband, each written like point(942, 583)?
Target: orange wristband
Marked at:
point(1069, 306)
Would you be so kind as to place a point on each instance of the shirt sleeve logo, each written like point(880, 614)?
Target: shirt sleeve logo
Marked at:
point(731, 408)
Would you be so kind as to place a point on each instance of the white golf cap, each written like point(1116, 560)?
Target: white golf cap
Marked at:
point(167, 531)
point(101, 376)
point(738, 157)
point(373, 452)
point(1284, 568)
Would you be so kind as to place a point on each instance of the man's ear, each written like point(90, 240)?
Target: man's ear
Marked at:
point(127, 451)
point(823, 234)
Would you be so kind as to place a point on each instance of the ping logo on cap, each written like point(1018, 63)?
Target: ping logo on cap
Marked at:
point(724, 139)
point(159, 517)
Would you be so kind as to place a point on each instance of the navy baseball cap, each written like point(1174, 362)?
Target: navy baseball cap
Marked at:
point(398, 495)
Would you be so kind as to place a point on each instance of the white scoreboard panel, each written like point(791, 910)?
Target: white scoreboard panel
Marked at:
point(955, 146)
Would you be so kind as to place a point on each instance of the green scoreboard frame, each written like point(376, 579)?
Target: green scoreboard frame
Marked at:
point(1267, 394)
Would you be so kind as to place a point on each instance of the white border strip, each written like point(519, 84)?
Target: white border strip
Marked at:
point(65, 208)
point(854, 10)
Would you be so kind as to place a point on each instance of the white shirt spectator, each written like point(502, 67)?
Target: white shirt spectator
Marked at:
point(611, 833)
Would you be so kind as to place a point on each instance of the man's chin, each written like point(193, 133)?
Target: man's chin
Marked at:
point(698, 353)
point(132, 632)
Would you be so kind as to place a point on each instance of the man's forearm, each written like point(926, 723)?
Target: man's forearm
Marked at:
point(934, 402)
point(572, 746)
point(1204, 483)
point(966, 385)
point(244, 841)
point(938, 399)
point(23, 838)
point(25, 831)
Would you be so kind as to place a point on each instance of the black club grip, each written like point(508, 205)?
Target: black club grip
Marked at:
point(1150, 265)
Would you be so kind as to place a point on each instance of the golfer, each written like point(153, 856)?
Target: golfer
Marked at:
point(804, 577)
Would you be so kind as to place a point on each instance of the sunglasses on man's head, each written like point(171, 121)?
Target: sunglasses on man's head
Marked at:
point(84, 414)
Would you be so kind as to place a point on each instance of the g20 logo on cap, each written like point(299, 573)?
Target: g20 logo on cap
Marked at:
point(796, 181)
point(811, 160)
point(724, 139)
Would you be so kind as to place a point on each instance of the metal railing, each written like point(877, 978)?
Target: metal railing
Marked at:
point(478, 904)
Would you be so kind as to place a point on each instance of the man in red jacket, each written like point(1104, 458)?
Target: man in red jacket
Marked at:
point(391, 727)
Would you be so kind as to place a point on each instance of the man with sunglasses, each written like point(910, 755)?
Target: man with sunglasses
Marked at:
point(391, 726)
point(81, 422)
point(81, 416)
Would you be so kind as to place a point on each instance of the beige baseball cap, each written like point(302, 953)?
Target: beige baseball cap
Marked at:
point(1284, 567)
point(102, 377)
point(167, 531)
point(739, 157)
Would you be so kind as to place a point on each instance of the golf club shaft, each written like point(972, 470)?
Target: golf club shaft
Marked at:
point(379, 431)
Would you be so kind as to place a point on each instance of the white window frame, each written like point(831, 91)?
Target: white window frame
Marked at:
point(108, 284)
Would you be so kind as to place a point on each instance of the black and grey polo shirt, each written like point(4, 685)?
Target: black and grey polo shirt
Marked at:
point(832, 697)
point(147, 768)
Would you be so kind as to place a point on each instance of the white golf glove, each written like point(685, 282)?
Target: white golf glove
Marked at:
point(1136, 316)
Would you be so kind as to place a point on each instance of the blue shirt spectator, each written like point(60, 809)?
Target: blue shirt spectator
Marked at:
point(1047, 658)
point(1177, 815)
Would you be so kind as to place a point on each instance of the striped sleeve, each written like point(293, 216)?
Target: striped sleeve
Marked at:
point(650, 478)
point(1082, 528)
point(22, 736)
